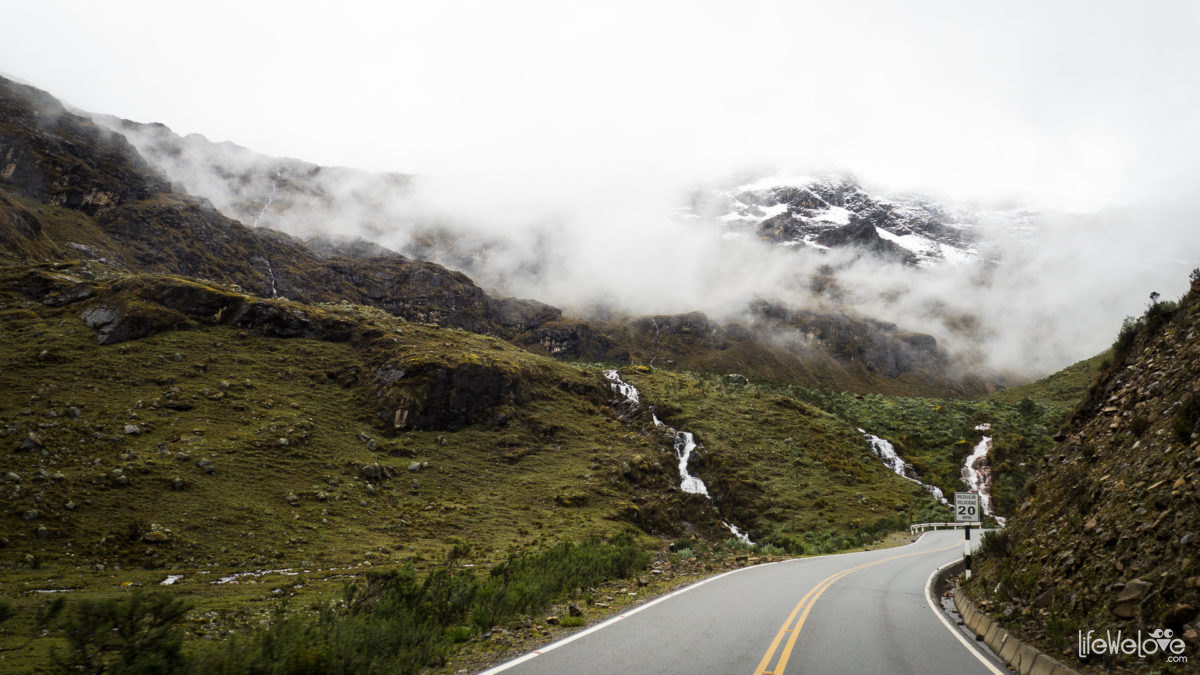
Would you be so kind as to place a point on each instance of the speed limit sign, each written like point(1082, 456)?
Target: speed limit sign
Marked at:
point(966, 507)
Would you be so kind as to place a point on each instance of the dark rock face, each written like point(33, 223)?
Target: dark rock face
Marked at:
point(116, 323)
point(572, 340)
point(450, 398)
point(861, 233)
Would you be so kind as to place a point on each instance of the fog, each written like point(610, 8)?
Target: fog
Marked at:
point(557, 143)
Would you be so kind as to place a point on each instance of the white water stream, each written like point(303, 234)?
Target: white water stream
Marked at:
point(885, 451)
point(685, 445)
point(977, 474)
point(270, 197)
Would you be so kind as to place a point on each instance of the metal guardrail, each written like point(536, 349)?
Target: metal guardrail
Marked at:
point(921, 527)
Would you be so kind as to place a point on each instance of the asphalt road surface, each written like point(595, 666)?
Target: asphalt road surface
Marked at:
point(856, 613)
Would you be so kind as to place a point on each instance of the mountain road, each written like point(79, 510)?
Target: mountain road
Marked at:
point(862, 612)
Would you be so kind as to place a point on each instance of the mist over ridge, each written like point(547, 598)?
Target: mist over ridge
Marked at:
point(1038, 289)
point(555, 151)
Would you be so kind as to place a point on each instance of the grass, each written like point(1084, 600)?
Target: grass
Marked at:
point(215, 449)
point(792, 474)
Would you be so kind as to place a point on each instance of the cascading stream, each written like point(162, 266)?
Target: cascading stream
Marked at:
point(270, 197)
point(977, 473)
point(685, 445)
point(885, 451)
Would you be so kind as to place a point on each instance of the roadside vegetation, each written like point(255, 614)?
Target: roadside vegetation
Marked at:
point(264, 478)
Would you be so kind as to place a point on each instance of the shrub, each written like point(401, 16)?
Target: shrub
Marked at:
point(1186, 418)
point(1129, 332)
point(995, 544)
point(138, 634)
point(395, 623)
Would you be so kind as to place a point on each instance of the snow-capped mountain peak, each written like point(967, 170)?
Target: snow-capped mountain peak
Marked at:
point(834, 211)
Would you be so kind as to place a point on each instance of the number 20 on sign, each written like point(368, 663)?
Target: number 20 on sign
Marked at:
point(966, 507)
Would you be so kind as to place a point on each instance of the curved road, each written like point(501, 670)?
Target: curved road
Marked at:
point(860, 612)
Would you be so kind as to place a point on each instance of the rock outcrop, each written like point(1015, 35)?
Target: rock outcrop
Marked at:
point(1109, 537)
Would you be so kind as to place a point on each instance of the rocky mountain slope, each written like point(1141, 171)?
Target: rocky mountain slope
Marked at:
point(1107, 538)
point(76, 190)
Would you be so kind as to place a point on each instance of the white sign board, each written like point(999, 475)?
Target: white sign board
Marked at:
point(966, 507)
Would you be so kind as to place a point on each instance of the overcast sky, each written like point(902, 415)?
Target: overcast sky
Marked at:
point(571, 132)
point(1071, 105)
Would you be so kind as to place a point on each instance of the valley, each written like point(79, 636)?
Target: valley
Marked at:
point(272, 447)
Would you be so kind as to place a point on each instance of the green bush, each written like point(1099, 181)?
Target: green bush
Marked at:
point(1128, 333)
point(1185, 419)
point(995, 544)
point(395, 623)
point(138, 634)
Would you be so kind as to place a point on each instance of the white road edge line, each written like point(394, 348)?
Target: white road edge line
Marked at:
point(605, 624)
point(935, 607)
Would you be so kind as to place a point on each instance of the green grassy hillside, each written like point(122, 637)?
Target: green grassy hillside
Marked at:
point(218, 433)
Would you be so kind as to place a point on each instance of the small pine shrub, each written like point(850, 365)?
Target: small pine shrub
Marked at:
point(397, 623)
point(137, 634)
point(1185, 419)
point(995, 544)
point(1130, 328)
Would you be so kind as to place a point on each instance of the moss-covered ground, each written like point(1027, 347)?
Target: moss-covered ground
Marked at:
point(207, 450)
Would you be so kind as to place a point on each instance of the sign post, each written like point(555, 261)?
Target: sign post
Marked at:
point(966, 510)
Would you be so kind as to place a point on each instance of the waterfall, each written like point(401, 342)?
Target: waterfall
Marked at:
point(885, 451)
point(685, 445)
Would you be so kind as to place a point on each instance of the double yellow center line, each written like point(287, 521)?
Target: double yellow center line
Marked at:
point(805, 606)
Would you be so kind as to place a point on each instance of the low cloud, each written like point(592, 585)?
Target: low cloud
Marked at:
point(551, 144)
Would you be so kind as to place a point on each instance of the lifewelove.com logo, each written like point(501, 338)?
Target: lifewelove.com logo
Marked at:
point(1161, 641)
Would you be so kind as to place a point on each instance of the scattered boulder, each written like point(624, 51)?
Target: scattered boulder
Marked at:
point(292, 499)
point(157, 534)
point(177, 484)
point(372, 472)
point(1044, 599)
point(30, 442)
point(1129, 597)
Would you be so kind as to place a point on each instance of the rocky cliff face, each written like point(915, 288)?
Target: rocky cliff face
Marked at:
point(1109, 537)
